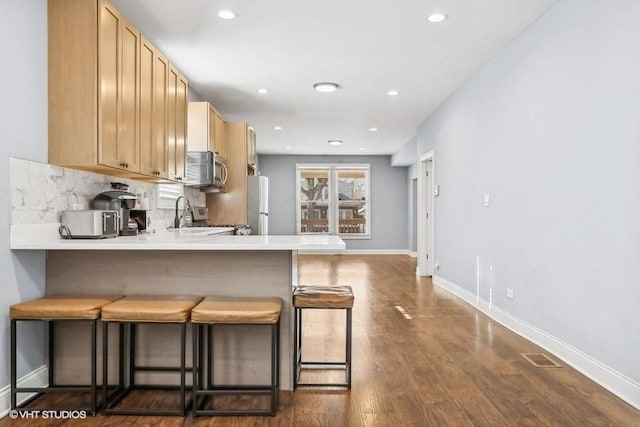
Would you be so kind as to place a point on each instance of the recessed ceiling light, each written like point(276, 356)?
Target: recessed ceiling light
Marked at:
point(277, 128)
point(326, 87)
point(393, 93)
point(263, 91)
point(335, 142)
point(373, 129)
point(362, 149)
point(288, 147)
point(437, 17)
point(227, 14)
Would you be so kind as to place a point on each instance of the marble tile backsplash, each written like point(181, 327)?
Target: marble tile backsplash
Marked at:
point(40, 191)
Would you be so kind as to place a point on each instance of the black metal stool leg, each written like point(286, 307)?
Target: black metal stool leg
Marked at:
point(121, 341)
point(209, 357)
point(297, 345)
point(105, 364)
point(52, 377)
point(132, 354)
point(94, 387)
point(274, 368)
point(14, 367)
point(348, 346)
point(196, 367)
point(183, 361)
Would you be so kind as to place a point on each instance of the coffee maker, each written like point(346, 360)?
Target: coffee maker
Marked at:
point(122, 201)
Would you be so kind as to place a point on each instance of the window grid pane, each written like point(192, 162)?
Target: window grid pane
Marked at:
point(352, 202)
point(314, 201)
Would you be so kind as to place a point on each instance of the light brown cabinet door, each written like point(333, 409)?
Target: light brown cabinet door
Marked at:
point(109, 82)
point(182, 102)
point(172, 85)
point(220, 135)
point(119, 50)
point(177, 103)
point(213, 143)
point(147, 151)
point(128, 112)
point(159, 125)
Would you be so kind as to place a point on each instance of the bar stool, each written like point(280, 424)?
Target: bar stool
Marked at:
point(237, 311)
point(53, 309)
point(132, 311)
point(326, 298)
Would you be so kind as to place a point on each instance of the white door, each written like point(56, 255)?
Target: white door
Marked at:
point(426, 210)
point(428, 261)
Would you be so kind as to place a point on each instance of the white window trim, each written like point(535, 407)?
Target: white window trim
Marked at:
point(334, 216)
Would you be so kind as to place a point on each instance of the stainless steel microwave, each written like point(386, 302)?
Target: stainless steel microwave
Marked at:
point(206, 169)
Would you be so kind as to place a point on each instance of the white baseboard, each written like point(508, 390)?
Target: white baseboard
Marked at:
point(360, 252)
point(623, 387)
point(36, 378)
point(412, 254)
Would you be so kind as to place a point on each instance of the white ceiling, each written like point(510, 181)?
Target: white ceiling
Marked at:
point(367, 46)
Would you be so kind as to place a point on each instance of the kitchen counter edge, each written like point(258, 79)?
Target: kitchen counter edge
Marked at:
point(45, 237)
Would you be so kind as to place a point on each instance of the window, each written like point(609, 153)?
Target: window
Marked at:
point(333, 199)
point(167, 195)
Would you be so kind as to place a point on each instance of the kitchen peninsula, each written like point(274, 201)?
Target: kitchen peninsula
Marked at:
point(186, 262)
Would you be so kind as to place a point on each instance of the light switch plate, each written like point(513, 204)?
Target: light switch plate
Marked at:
point(436, 190)
point(486, 200)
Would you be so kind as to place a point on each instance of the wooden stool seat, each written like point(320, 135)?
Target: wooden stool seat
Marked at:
point(54, 309)
point(130, 312)
point(323, 297)
point(61, 307)
point(229, 311)
point(151, 308)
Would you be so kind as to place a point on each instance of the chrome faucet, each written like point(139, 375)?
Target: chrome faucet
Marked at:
point(178, 218)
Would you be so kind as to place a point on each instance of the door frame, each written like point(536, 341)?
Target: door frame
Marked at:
point(426, 229)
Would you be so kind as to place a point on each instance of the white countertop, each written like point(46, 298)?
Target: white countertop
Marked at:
point(45, 236)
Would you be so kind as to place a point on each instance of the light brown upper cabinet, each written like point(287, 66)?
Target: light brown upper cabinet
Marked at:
point(109, 95)
point(207, 131)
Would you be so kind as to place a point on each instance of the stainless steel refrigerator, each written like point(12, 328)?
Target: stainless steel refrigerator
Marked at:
point(258, 204)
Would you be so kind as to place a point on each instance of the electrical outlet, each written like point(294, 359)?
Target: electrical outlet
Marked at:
point(510, 293)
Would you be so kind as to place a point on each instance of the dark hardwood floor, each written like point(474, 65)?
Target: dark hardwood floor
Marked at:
point(442, 363)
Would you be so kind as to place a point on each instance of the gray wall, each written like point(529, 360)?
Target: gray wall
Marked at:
point(550, 128)
point(405, 155)
point(388, 197)
point(23, 129)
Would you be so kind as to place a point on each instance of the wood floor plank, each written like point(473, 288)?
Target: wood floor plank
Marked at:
point(446, 364)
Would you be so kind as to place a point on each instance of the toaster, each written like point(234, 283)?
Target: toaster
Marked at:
point(89, 224)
